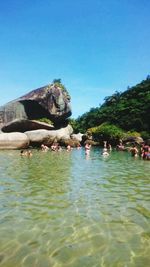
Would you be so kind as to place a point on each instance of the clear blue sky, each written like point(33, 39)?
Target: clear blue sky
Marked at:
point(96, 47)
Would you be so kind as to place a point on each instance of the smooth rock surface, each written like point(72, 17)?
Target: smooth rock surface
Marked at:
point(14, 140)
point(48, 136)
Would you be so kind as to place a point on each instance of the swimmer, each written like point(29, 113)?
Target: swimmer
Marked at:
point(105, 144)
point(44, 148)
point(54, 146)
point(69, 148)
point(78, 146)
point(87, 148)
point(105, 152)
point(109, 147)
point(59, 148)
point(23, 153)
point(134, 151)
point(146, 151)
point(29, 153)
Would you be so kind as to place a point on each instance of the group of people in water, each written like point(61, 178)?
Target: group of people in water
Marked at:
point(142, 151)
point(56, 147)
point(105, 152)
point(44, 148)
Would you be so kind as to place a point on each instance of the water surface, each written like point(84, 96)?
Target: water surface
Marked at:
point(65, 209)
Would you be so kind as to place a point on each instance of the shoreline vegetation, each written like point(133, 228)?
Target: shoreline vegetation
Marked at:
point(124, 116)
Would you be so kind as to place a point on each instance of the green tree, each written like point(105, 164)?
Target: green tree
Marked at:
point(108, 132)
point(129, 110)
point(57, 81)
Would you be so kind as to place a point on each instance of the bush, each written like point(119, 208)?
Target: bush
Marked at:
point(74, 125)
point(145, 135)
point(107, 132)
point(132, 133)
point(58, 83)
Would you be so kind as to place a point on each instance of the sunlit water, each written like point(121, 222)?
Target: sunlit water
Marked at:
point(65, 209)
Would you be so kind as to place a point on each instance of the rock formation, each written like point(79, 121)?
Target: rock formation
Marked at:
point(19, 125)
point(47, 137)
point(13, 140)
point(22, 125)
point(51, 102)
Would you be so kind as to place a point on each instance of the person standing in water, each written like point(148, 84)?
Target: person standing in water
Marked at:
point(105, 152)
point(87, 148)
point(134, 151)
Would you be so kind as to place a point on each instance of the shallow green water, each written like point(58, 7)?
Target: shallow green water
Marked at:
point(63, 209)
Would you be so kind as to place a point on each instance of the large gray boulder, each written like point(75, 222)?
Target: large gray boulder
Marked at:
point(49, 136)
point(77, 137)
point(21, 125)
point(13, 140)
point(51, 101)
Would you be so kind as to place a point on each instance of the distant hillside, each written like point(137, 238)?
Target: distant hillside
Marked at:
point(129, 110)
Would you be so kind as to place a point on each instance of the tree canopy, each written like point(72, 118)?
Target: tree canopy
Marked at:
point(129, 110)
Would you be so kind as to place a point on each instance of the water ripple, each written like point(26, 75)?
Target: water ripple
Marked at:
point(67, 210)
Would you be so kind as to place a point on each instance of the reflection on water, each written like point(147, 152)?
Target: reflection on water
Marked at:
point(68, 210)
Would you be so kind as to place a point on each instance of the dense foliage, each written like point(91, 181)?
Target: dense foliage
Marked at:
point(130, 111)
point(108, 132)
